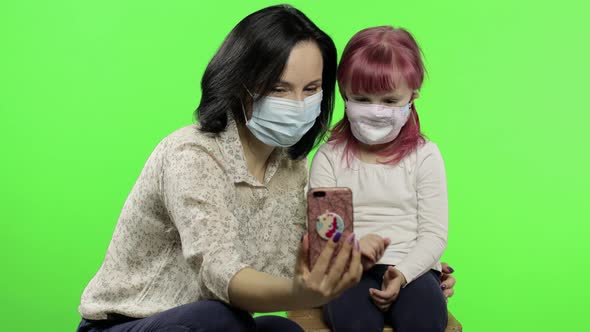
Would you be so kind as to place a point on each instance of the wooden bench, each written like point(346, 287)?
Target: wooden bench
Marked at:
point(311, 321)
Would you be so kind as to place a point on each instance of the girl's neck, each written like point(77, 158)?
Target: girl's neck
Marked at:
point(370, 153)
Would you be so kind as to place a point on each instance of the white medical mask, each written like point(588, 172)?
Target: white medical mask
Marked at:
point(282, 122)
point(374, 123)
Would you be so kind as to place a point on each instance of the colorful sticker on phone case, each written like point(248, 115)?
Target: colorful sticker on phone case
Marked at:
point(328, 224)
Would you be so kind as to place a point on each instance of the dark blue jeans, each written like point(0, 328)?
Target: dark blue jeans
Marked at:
point(200, 316)
point(420, 306)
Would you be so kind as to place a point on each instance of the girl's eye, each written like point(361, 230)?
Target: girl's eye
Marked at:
point(390, 101)
point(361, 99)
point(311, 88)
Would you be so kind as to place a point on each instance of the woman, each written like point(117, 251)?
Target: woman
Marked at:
point(399, 185)
point(209, 231)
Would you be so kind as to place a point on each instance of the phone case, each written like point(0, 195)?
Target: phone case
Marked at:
point(329, 210)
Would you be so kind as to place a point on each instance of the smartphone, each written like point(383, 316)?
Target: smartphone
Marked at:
point(329, 210)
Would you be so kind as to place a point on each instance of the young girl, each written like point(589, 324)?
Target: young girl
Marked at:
point(398, 183)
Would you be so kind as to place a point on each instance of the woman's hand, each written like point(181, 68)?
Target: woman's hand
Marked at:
point(447, 281)
point(372, 248)
point(320, 285)
point(393, 280)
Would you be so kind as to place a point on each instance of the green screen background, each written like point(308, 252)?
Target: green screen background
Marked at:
point(88, 88)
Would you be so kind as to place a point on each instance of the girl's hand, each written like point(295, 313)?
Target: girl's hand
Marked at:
point(372, 248)
point(320, 285)
point(447, 281)
point(393, 280)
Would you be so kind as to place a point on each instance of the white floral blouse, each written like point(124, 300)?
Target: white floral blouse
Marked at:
point(193, 219)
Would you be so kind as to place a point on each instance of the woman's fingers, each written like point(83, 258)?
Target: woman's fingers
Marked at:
point(321, 265)
point(337, 270)
point(447, 284)
point(448, 293)
point(302, 261)
point(446, 268)
point(354, 273)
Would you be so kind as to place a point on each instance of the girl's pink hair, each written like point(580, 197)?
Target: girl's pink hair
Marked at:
point(373, 62)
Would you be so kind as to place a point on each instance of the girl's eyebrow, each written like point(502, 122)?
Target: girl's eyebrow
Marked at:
point(383, 97)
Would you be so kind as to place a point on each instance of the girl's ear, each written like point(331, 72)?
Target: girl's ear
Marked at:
point(415, 95)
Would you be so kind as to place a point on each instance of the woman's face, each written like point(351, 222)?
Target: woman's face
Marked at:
point(302, 76)
point(400, 96)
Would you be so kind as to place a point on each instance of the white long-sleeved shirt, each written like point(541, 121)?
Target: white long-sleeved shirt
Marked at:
point(406, 203)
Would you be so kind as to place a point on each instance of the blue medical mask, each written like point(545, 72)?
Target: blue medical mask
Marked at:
point(282, 122)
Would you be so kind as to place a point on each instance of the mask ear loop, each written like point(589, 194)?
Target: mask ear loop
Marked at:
point(412, 107)
point(242, 103)
point(244, 111)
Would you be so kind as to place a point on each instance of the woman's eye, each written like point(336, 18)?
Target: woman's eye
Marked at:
point(390, 101)
point(278, 89)
point(311, 88)
point(361, 100)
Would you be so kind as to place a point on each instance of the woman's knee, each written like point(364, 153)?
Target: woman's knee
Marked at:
point(276, 323)
point(213, 316)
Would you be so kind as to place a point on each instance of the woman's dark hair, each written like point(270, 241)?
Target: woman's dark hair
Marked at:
point(253, 57)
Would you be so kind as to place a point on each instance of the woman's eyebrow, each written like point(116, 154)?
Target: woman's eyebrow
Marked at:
point(317, 81)
point(289, 84)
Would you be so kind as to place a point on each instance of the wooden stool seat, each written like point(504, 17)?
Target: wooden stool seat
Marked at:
point(311, 321)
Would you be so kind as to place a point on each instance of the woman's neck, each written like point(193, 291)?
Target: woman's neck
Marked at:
point(256, 153)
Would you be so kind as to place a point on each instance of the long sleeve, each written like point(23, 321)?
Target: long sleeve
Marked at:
point(193, 190)
point(322, 170)
point(432, 209)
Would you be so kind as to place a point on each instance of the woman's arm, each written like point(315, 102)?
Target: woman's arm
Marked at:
point(255, 291)
point(193, 191)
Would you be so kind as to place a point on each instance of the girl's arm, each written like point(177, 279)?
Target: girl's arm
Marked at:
point(432, 214)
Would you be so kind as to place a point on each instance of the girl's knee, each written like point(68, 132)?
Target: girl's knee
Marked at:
point(431, 322)
point(355, 324)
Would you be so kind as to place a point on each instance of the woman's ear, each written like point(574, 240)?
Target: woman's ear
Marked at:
point(415, 95)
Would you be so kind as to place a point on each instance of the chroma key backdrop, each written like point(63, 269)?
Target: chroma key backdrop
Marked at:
point(89, 88)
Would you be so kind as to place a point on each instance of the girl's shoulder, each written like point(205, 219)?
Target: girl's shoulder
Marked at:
point(426, 149)
point(426, 145)
point(331, 150)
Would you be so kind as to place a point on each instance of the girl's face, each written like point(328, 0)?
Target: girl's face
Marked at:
point(302, 76)
point(400, 96)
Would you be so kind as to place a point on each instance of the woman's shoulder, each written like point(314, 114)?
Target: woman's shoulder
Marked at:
point(189, 137)
point(190, 134)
